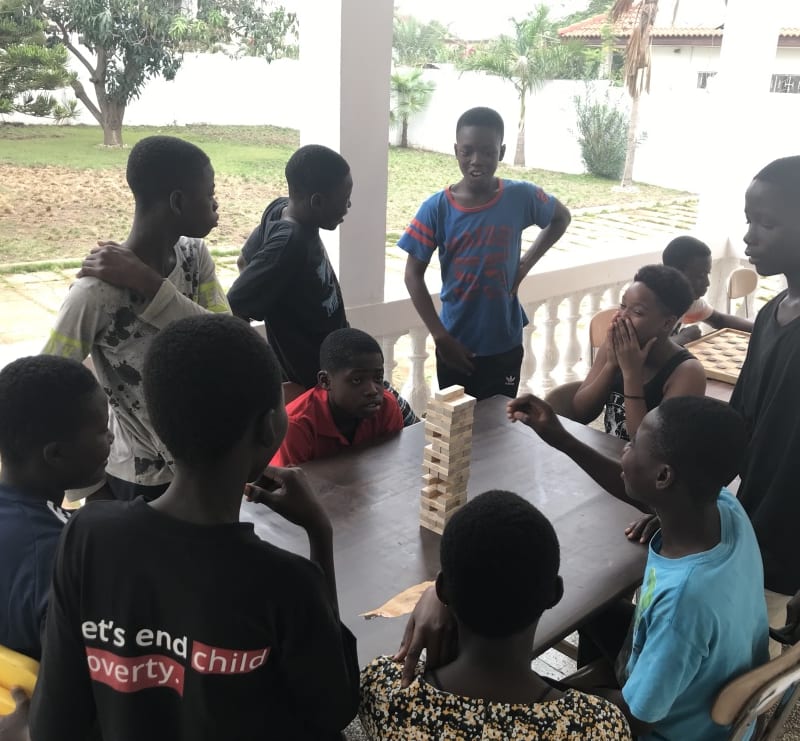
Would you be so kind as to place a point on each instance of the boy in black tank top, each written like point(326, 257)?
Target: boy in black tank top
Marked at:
point(639, 365)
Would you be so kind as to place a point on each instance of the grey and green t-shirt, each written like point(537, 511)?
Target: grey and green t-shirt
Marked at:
point(116, 326)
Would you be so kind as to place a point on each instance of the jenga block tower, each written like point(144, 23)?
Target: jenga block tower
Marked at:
point(445, 462)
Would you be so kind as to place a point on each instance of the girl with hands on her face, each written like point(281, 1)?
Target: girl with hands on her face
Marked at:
point(638, 365)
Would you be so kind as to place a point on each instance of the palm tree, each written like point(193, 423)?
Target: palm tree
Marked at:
point(411, 95)
point(532, 56)
point(637, 65)
point(415, 44)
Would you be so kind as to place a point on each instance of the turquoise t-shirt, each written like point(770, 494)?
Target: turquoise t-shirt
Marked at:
point(701, 621)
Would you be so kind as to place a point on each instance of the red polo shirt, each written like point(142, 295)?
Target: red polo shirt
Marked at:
point(313, 434)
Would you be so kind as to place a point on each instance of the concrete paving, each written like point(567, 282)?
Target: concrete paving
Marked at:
point(29, 301)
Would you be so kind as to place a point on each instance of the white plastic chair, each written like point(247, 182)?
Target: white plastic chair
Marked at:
point(749, 698)
point(741, 283)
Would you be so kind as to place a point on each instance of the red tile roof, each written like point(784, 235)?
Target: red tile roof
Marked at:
point(592, 28)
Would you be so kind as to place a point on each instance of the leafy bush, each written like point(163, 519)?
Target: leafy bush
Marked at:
point(602, 135)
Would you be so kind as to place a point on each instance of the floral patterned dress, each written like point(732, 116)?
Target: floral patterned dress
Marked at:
point(422, 712)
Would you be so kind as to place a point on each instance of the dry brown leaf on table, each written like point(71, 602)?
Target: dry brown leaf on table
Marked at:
point(400, 604)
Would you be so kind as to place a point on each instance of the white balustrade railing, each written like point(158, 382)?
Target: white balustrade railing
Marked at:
point(562, 351)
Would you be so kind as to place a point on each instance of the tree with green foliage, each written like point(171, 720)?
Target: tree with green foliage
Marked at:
point(602, 134)
point(595, 7)
point(534, 54)
point(29, 67)
point(132, 41)
point(415, 44)
point(410, 95)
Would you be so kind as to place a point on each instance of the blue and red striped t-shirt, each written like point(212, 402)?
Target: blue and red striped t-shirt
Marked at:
point(479, 252)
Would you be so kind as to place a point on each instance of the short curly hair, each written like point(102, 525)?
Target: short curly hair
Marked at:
point(682, 250)
point(484, 117)
point(670, 286)
point(160, 165)
point(41, 401)
point(315, 169)
point(500, 560)
point(702, 439)
point(205, 379)
point(341, 347)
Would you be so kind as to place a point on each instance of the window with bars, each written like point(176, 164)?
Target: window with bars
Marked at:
point(703, 78)
point(785, 84)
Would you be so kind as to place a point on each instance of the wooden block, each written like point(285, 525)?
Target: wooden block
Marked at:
point(457, 458)
point(447, 430)
point(451, 392)
point(445, 475)
point(445, 488)
point(460, 407)
point(446, 433)
point(431, 467)
point(434, 521)
point(444, 412)
point(464, 404)
point(441, 420)
point(443, 503)
point(447, 451)
point(457, 489)
point(459, 437)
point(446, 447)
point(431, 525)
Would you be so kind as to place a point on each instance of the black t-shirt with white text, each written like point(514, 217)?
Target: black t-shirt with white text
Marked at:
point(767, 395)
point(290, 285)
point(161, 630)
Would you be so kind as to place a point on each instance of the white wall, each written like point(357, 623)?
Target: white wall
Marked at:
point(550, 141)
point(674, 125)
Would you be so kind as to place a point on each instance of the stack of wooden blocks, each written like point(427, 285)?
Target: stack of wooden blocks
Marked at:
point(445, 463)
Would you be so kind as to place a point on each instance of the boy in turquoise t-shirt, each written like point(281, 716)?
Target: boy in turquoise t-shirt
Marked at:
point(477, 225)
point(701, 619)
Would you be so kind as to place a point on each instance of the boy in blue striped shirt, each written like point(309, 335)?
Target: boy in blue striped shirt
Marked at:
point(477, 225)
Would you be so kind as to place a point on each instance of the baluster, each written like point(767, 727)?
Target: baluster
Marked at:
point(595, 302)
point(528, 369)
point(416, 389)
point(573, 352)
point(550, 355)
point(389, 363)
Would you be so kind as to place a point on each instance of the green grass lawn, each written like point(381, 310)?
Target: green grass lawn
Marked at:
point(60, 190)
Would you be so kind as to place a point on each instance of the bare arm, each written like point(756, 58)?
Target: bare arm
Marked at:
point(421, 298)
point(540, 417)
point(688, 379)
point(546, 238)
point(718, 320)
point(452, 351)
point(591, 397)
point(287, 492)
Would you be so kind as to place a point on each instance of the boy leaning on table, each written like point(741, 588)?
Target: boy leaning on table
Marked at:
point(701, 619)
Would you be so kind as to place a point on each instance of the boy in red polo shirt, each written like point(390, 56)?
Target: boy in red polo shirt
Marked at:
point(349, 405)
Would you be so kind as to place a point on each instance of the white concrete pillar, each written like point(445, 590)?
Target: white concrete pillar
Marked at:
point(740, 105)
point(345, 52)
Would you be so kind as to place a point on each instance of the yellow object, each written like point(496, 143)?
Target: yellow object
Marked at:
point(16, 670)
point(7, 703)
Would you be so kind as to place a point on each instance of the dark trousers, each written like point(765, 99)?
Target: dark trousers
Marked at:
point(492, 375)
point(605, 635)
point(126, 491)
